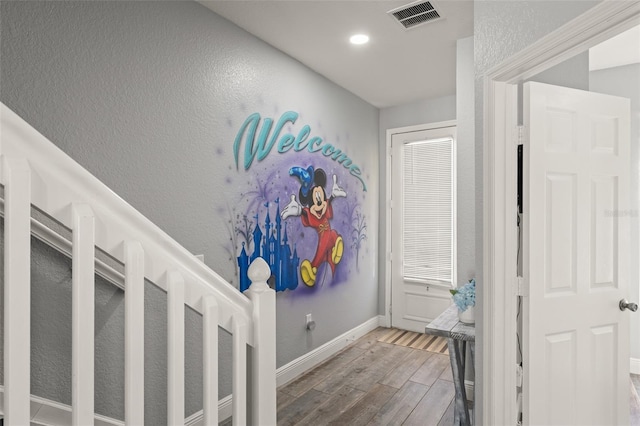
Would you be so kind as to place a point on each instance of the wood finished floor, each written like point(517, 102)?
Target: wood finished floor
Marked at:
point(376, 383)
point(371, 383)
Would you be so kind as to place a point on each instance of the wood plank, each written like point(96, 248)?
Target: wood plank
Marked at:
point(368, 368)
point(399, 375)
point(407, 338)
point(398, 408)
point(333, 407)
point(393, 335)
point(444, 323)
point(448, 417)
point(310, 379)
point(352, 370)
point(283, 399)
point(372, 337)
point(422, 341)
point(367, 407)
point(432, 407)
point(432, 368)
point(447, 374)
point(379, 368)
point(301, 407)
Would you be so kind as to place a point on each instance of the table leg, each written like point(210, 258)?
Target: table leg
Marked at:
point(461, 408)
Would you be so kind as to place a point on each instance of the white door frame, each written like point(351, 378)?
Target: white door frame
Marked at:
point(387, 278)
point(500, 165)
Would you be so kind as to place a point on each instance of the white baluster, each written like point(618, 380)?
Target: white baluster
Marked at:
point(134, 333)
point(83, 314)
point(175, 356)
point(239, 329)
point(264, 344)
point(210, 354)
point(17, 291)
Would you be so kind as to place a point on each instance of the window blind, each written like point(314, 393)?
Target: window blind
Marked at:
point(428, 210)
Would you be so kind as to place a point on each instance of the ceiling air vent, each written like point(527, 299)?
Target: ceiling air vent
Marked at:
point(416, 13)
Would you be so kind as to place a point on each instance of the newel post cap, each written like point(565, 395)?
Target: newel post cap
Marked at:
point(259, 272)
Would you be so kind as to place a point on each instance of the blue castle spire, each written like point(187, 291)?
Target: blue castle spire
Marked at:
point(275, 249)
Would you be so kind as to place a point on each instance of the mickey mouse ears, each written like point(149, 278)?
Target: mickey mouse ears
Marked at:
point(305, 177)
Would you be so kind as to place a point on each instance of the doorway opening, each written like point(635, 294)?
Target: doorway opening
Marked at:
point(422, 221)
point(500, 267)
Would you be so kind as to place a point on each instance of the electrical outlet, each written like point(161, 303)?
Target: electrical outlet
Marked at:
point(310, 323)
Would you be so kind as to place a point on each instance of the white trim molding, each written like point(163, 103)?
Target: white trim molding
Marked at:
point(47, 412)
point(387, 248)
point(599, 23)
point(634, 365)
point(306, 362)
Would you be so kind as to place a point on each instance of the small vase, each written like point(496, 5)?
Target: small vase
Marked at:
point(468, 316)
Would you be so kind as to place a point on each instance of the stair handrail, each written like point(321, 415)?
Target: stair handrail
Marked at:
point(45, 177)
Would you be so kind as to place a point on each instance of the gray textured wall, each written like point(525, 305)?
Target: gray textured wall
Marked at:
point(149, 96)
point(421, 112)
point(624, 81)
point(502, 29)
point(466, 161)
point(51, 340)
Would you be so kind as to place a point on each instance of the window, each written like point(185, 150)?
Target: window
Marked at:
point(428, 210)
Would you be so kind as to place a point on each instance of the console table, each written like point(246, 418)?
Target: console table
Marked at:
point(457, 334)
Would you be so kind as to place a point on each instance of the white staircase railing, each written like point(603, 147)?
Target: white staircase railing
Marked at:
point(36, 173)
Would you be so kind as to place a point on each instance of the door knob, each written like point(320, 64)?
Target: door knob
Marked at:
point(624, 304)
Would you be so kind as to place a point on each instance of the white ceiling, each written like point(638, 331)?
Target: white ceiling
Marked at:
point(397, 65)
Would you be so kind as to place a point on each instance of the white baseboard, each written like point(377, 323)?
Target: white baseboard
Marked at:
point(47, 412)
point(300, 365)
point(224, 412)
point(634, 367)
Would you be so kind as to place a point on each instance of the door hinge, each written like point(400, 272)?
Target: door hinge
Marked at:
point(519, 375)
point(519, 135)
point(521, 288)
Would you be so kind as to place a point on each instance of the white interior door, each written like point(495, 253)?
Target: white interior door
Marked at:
point(422, 225)
point(576, 339)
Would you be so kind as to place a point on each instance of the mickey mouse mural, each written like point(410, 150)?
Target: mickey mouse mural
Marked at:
point(315, 211)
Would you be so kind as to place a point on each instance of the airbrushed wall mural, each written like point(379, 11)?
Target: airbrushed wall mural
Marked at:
point(299, 206)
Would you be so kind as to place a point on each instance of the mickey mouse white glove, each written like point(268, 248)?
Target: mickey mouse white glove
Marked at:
point(292, 209)
point(337, 191)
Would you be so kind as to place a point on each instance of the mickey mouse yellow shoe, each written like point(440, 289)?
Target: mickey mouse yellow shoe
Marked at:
point(337, 251)
point(308, 273)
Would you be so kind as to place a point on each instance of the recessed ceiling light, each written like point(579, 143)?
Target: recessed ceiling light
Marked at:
point(359, 39)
